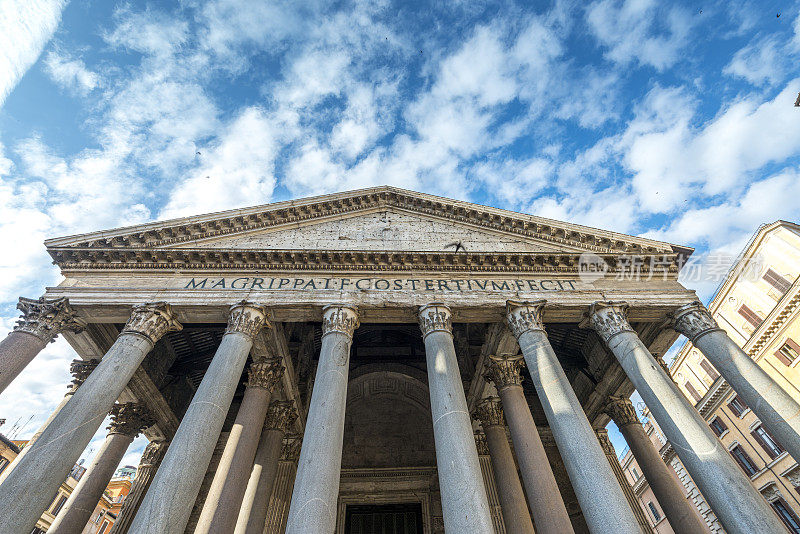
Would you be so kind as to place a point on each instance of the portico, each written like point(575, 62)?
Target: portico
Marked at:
point(353, 314)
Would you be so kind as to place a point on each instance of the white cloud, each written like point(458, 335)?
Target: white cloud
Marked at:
point(27, 25)
point(148, 32)
point(760, 62)
point(640, 30)
point(238, 170)
point(71, 73)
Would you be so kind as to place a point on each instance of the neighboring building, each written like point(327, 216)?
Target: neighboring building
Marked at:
point(757, 305)
point(8, 451)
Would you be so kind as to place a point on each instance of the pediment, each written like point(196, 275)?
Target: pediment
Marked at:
point(382, 229)
point(377, 223)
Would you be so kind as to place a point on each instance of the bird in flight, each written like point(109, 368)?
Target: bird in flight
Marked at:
point(457, 244)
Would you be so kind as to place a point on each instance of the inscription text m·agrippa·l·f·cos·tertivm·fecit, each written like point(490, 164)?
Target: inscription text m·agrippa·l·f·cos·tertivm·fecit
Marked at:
point(380, 284)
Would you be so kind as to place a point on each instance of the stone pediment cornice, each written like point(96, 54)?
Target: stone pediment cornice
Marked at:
point(182, 232)
point(85, 258)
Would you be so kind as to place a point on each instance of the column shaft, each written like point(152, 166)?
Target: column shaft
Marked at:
point(465, 507)
point(42, 320)
point(84, 498)
point(627, 490)
point(253, 512)
point(167, 505)
point(50, 459)
point(544, 497)
point(738, 505)
point(583, 457)
point(682, 515)
point(774, 406)
point(316, 488)
point(512, 499)
point(148, 465)
point(230, 480)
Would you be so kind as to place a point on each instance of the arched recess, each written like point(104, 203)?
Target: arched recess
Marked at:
point(388, 420)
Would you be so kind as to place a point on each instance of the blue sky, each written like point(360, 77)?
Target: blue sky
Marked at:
point(672, 120)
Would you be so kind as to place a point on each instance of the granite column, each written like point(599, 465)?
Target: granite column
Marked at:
point(80, 370)
point(583, 457)
point(42, 320)
point(549, 513)
point(774, 406)
point(253, 512)
point(168, 503)
point(30, 487)
point(516, 517)
point(230, 480)
point(148, 465)
point(127, 420)
point(316, 487)
point(465, 507)
point(680, 512)
point(737, 504)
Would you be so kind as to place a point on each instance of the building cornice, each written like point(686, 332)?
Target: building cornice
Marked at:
point(774, 322)
point(168, 234)
point(203, 259)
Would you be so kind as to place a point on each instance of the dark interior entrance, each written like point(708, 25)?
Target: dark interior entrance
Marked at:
point(384, 519)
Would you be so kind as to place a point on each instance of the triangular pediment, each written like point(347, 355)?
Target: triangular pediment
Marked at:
point(385, 229)
point(376, 220)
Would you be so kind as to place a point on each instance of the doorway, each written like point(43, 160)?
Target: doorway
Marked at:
point(384, 519)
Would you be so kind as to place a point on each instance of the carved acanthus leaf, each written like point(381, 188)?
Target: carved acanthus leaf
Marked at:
point(46, 318)
point(693, 320)
point(339, 318)
point(281, 415)
point(80, 370)
point(264, 374)
point(129, 418)
point(480, 443)
point(435, 317)
point(504, 371)
point(609, 319)
point(489, 412)
point(246, 318)
point(290, 451)
point(152, 321)
point(621, 411)
point(524, 316)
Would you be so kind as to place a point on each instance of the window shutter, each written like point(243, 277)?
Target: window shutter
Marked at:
point(749, 315)
point(777, 281)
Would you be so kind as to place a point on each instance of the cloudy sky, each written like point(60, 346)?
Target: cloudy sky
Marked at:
point(672, 120)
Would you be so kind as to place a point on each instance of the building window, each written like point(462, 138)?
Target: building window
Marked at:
point(692, 391)
point(777, 281)
point(103, 528)
point(744, 460)
point(786, 514)
point(654, 512)
point(37, 530)
point(767, 442)
point(750, 316)
point(789, 352)
point(58, 504)
point(3, 463)
point(718, 426)
point(709, 369)
point(737, 406)
point(635, 474)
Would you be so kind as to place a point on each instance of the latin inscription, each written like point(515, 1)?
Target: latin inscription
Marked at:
point(379, 284)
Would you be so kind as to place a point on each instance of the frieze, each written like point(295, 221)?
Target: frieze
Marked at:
point(46, 318)
point(152, 321)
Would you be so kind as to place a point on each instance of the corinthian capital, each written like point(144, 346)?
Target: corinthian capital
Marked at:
point(693, 320)
point(80, 370)
point(480, 443)
point(621, 411)
point(152, 321)
point(435, 317)
point(290, 448)
point(505, 371)
point(264, 374)
point(46, 319)
point(608, 319)
point(129, 418)
point(246, 318)
point(524, 316)
point(339, 318)
point(281, 415)
point(489, 412)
